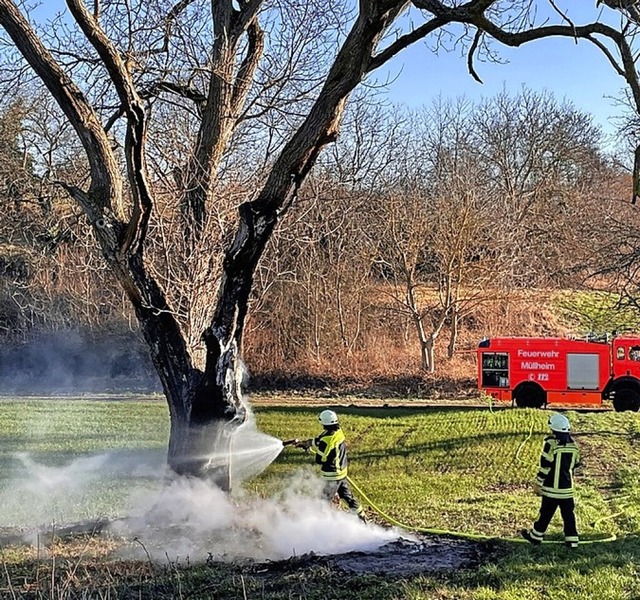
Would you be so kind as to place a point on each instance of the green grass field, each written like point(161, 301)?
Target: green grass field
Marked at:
point(463, 470)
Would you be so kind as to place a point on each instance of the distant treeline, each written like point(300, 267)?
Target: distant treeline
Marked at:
point(417, 233)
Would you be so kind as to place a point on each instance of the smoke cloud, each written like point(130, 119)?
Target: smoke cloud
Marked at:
point(189, 518)
point(180, 518)
point(72, 362)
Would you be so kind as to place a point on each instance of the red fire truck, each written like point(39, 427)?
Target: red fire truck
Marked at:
point(534, 372)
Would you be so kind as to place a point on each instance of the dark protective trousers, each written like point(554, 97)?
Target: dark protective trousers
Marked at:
point(343, 489)
point(548, 508)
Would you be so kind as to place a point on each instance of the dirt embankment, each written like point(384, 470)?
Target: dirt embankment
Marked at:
point(410, 388)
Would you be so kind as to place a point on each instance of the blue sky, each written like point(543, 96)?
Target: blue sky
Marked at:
point(578, 72)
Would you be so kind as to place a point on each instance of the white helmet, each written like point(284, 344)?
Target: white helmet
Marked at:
point(328, 417)
point(558, 422)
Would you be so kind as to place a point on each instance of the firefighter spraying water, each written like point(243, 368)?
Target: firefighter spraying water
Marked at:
point(330, 450)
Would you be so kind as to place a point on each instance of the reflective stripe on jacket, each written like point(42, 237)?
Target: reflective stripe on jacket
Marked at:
point(330, 449)
point(557, 462)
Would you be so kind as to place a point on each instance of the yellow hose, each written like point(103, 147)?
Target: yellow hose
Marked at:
point(461, 534)
point(390, 519)
point(478, 536)
point(523, 442)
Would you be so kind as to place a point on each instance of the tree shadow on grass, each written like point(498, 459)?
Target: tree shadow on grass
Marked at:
point(400, 447)
point(381, 412)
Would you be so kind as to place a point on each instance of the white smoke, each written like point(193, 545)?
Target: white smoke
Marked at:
point(189, 518)
point(180, 518)
point(38, 494)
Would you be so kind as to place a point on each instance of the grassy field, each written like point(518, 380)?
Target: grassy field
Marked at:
point(463, 470)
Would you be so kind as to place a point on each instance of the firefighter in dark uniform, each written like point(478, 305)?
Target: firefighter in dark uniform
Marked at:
point(330, 450)
point(554, 482)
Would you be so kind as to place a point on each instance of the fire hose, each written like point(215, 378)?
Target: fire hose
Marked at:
point(461, 534)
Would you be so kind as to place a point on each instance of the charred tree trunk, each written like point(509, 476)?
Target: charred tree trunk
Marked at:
point(206, 404)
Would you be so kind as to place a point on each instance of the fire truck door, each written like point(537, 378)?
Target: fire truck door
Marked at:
point(627, 361)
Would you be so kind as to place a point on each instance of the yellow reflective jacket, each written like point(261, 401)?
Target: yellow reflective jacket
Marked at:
point(558, 460)
point(330, 451)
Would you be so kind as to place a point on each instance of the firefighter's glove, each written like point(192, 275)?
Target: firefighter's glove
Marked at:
point(304, 444)
point(536, 489)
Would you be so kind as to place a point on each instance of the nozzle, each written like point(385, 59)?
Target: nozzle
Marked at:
point(290, 442)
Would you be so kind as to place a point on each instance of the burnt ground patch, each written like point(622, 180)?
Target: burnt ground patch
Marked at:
point(401, 558)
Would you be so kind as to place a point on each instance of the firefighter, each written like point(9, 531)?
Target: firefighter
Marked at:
point(554, 482)
point(330, 451)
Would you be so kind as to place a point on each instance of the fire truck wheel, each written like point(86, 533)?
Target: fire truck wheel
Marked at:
point(626, 398)
point(529, 395)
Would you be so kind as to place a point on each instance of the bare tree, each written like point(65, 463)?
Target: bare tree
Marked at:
point(436, 244)
point(614, 31)
point(208, 60)
point(537, 153)
point(129, 61)
point(521, 23)
point(469, 196)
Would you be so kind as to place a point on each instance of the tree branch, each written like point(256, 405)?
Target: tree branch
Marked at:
point(184, 91)
point(474, 46)
point(246, 16)
point(136, 227)
point(624, 6)
point(402, 42)
point(627, 69)
point(105, 182)
point(169, 20)
point(247, 69)
point(612, 59)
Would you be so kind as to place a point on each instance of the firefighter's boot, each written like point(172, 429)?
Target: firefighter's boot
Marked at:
point(526, 534)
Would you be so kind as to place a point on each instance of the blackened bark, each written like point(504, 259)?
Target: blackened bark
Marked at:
point(217, 404)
